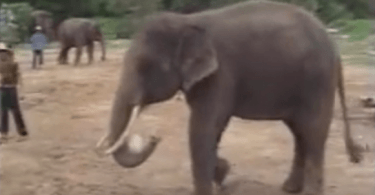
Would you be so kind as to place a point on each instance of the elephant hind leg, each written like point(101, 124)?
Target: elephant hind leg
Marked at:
point(63, 56)
point(90, 52)
point(314, 150)
point(294, 183)
point(78, 55)
point(310, 130)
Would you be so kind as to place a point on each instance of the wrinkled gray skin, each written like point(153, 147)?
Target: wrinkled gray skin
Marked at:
point(79, 32)
point(259, 61)
point(44, 19)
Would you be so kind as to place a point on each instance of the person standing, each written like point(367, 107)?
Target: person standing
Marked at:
point(10, 77)
point(38, 42)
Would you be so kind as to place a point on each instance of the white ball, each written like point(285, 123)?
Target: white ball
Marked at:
point(135, 143)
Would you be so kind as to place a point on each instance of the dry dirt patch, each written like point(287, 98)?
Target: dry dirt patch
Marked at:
point(67, 110)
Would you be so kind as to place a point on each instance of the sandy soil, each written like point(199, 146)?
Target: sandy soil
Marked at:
point(67, 108)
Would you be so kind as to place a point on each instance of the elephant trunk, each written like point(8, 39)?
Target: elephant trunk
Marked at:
point(118, 137)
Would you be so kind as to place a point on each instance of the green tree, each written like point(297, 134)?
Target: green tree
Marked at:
point(167, 4)
point(16, 30)
point(133, 13)
point(359, 8)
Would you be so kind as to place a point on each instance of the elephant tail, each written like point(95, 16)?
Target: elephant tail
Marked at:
point(353, 149)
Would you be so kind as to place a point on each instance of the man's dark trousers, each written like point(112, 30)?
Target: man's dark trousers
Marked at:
point(37, 53)
point(9, 102)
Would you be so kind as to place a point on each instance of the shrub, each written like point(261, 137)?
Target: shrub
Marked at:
point(16, 28)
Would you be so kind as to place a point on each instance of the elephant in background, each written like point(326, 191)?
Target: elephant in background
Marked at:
point(253, 60)
point(79, 32)
point(45, 20)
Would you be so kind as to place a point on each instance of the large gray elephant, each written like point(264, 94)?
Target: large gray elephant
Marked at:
point(253, 60)
point(79, 32)
point(44, 19)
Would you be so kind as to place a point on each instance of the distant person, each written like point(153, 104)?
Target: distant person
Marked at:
point(38, 42)
point(10, 76)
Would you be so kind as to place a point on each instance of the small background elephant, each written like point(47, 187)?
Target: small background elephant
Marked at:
point(79, 32)
point(44, 19)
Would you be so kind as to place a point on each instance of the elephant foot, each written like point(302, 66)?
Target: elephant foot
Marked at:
point(221, 171)
point(3, 138)
point(313, 190)
point(63, 63)
point(313, 193)
point(103, 58)
point(293, 186)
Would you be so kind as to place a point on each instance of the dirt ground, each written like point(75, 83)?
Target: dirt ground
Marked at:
point(67, 109)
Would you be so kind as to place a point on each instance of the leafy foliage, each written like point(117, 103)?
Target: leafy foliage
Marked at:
point(16, 28)
point(133, 15)
point(90, 8)
point(109, 26)
point(356, 29)
point(127, 15)
point(327, 11)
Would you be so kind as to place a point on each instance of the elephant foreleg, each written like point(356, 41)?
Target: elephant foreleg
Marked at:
point(59, 59)
point(222, 167)
point(206, 126)
point(63, 56)
point(203, 154)
point(78, 55)
point(90, 52)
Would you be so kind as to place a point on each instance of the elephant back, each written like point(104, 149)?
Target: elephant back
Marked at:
point(78, 29)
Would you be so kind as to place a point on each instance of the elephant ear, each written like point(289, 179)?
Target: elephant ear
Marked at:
point(196, 56)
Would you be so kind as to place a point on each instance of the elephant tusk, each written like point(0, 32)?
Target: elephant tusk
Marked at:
point(125, 134)
point(101, 141)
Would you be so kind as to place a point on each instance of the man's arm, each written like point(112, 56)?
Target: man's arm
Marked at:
point(18, 74)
